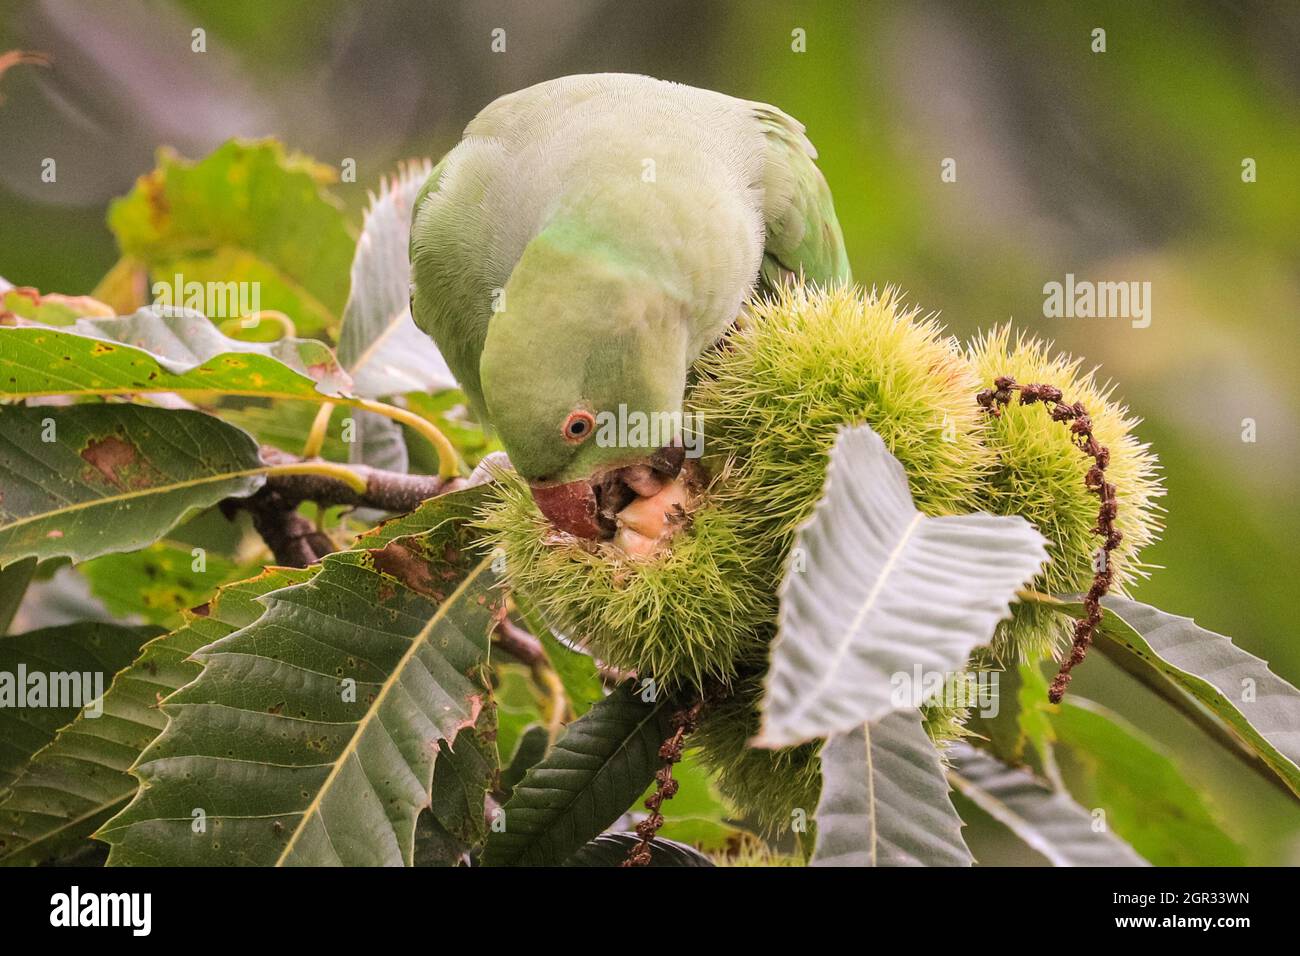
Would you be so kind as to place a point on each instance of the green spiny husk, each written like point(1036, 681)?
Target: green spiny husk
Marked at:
point(772, 401)
point(688, 617)
point(806, 364)
point(1039, 476)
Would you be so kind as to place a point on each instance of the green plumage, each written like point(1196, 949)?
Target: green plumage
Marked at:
point(591, 236)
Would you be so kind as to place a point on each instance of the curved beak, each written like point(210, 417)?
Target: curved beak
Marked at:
point(588, 508)
point(570, 507)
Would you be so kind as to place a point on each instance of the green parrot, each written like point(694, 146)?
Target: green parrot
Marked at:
point(584, 243)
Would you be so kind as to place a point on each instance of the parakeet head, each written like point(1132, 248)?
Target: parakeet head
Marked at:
point(583, 373)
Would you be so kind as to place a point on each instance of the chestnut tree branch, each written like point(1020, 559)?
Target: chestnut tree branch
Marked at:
point(296, 542)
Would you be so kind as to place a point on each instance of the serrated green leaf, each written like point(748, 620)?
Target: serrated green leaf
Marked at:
point(454, 823)
point(1147, 799)
point(113, 477)
point(1207, 671)
point(1047, 820)
point(68, 667)
point(593, 774)
point(71, 786)
point(885, 801)
point(379, 343)
point(312, 736)
point(153, 351)
point(435, 515)
point(245, 213)
point(874, 588)
point(611, 849)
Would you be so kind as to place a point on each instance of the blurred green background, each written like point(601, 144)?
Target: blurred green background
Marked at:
point(1117, 166)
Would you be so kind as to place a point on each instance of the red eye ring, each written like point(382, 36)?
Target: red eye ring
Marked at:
point(578, 426)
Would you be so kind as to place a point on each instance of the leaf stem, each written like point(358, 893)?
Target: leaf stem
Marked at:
point(448, 460)
point(288, 329)
point(319, 426)
point(559, 703)
point(324, 468)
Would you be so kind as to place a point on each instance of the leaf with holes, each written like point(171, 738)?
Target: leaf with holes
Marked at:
point(881, 590)
point(1048, 821)
point(885, 801)
point(592, 775)
point(454, 823)
point(152, 351)
point(379, 343)
point(313, 736)
point(87, 480)
point(76, 782)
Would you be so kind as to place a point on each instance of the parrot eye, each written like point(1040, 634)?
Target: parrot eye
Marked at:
point(578, 426)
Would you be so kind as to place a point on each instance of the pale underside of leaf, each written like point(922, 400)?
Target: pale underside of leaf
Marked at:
point(379, 343)
point(885, 801)
point(875, 589)
point(1047, 820)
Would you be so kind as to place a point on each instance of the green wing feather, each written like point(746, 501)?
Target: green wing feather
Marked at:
point(803, 233)
point(447, 299)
